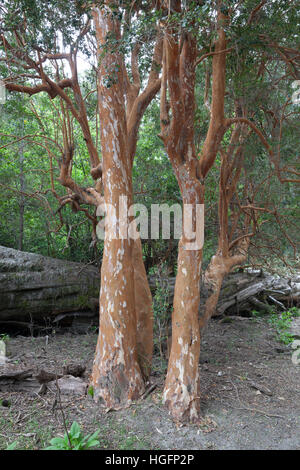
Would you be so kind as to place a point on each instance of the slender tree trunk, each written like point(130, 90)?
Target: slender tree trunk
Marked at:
point(228, 255)
point(182, 386)
point(181, 392)
point(219, 267)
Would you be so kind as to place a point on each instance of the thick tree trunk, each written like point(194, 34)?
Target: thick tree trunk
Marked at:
point(182, 387)
point(116, 375)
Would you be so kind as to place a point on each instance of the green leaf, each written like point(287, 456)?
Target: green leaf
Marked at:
point(57, 441)
point(75, 430)
point(12, 446)
point(92, 443)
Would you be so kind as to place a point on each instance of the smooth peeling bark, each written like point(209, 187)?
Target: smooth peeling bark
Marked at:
point(228, 255)
point(136, 104)
point(182, 388)
point(137, 101)
point(182, 385)
point(223, 261)
point(116, 375)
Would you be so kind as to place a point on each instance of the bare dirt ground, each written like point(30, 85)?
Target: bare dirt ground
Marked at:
point(250, 396)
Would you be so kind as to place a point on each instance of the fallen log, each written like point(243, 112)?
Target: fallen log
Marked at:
point(36, 289)
point(243, 292)
point(254, 292)
point(28, 380)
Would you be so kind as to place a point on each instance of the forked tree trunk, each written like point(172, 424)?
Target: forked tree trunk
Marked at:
point(116, 375)
point(182, 387)
point(136, 104)
point(229, 253)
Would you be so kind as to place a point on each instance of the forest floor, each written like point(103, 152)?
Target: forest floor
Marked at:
point(250, 396)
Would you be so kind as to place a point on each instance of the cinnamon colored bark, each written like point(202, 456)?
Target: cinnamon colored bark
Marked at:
point(144, 311)
point(229, 253)
point(116, 375)
point(218, 268)
point(72, 105)
point(181, 390)
point(182, 386)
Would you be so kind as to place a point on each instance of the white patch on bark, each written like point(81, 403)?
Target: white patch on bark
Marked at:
point(180, 367)
point(193, 411)
point(165, 394)
point(119, 267)
point(185, 349)
point(192, 357)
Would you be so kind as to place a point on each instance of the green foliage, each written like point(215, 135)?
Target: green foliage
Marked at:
point(12, 446)
point(42, 232)
point(255, 313)
point(4, 337)
point(282, 322)
point(153, 177)
point(161, 307)
point(74, 440)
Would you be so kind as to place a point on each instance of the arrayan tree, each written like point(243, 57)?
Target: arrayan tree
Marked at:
point(233, 28)
point(40, 54)
point(126, 320)
point(182, 387)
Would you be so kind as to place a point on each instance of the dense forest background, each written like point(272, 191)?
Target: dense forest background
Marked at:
point(31, 217)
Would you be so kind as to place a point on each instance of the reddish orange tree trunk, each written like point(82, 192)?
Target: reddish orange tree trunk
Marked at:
point(182, 386)
point(230, 252)
point(125, 345)
point(116, 375)
point(181, 391)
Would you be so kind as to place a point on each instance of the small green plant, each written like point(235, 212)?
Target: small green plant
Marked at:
point(281, 324)
point(91, 391)
point(255, 313)
point(4, 337)
point(74, 440)
point(295, 311)
point(12, 446)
